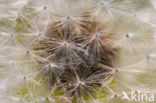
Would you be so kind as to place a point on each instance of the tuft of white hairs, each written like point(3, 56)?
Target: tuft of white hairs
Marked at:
point(126, 28)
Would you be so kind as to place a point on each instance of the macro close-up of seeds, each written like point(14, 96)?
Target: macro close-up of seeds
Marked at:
point(78, 51)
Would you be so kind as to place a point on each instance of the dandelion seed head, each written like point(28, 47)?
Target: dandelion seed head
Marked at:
point(65, 51)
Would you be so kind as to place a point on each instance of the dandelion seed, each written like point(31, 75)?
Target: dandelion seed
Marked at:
point(97, 43)
point(52, 73)
point(113, 7)
point(61, 51)
point(72, 18)
point(78, 84)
